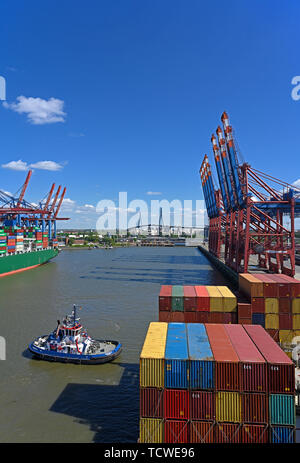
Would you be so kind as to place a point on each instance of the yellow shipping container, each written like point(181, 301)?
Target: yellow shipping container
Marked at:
point(250, 285)
point(271, 305)
point(152, 356)
point(272, 321)
point(151, 430)
point(228, 407)
point(229, 299)
point(296, 305)
point(296, 321)
point(215, 299)
point(286, 336)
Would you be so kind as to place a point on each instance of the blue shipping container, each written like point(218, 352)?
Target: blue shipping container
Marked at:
point(282, 409)
point(258, 319)
point(202, 364)
point(282, 435)
point(176, 357)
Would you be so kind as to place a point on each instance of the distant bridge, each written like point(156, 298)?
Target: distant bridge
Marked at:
point(161, 230)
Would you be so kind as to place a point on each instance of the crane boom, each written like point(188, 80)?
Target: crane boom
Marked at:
point(54, 201)
point(22, 194)
point(232, 159)
point(49, 197)
point(60, 202)
point(220, 172)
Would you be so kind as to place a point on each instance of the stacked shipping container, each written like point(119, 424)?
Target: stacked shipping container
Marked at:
point(19, 239)
point(3, 244)
point(281, 386)
point(200, 304)
point(39, 239)
point(219, 383)
point(12, 239)
point(273, 303)
point(45, 240)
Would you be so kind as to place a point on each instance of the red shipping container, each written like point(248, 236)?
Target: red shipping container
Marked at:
point(284, 286)
point(254, 434)
point(165, 317)
point(165, 298)
point(189, 299)
point(190, 317)
point(274, 334)
point(270, 286)
point(151, 402)
point(253, 367)
point(285, 321)
point(285, 305)
point(255, 408)
point(176, 404)
point(229, 317)
point(258, 305)
point(215, 317)
point(177, 317)
point(202, 298)
point(244, 310)
point(176, 432)
point(202, 432)
point(226, 360)
point(295, 285)
point(281, 370)
point(226, 433)
point(202, 405)
point(202, 317)
point(245, 321)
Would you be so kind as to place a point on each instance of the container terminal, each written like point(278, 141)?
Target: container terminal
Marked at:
point(222, 366)
point(28, 231)
point(219, 365)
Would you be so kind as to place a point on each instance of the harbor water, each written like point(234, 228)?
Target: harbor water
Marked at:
point(118, 291)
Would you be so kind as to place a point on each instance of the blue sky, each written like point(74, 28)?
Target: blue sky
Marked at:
point(137, 89)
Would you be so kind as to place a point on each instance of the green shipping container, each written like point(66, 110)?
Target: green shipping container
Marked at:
point(177, 298)
point(282, 409)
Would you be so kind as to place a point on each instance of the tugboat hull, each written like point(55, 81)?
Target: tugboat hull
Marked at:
point(82, 359)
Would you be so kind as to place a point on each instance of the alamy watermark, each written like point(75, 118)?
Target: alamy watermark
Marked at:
point(2, 348)
point(2, 89)
point(296, 90)
point(125, 216)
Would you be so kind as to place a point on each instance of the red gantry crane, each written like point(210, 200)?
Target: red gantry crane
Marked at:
point(17, 211)
point(248, 220)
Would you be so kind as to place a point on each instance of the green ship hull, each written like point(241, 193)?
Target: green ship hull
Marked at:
point(19, 262)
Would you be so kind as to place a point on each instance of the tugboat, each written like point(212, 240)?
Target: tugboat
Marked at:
point(70, 343)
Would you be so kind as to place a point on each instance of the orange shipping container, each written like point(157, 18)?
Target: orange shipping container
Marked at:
point(250, 285)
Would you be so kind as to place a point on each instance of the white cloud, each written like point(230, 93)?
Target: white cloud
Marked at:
point(46, 165)
point(297, 183)
point(67, 204)
point(43, 165)
point(16, 165)
point(7, 192)
point(154, 193)
point(38, 110)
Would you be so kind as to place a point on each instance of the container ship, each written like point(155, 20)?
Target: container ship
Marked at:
point(28, 231)
point(222, 365)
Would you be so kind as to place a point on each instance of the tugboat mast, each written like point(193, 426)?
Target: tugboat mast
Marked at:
point(74, 313)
